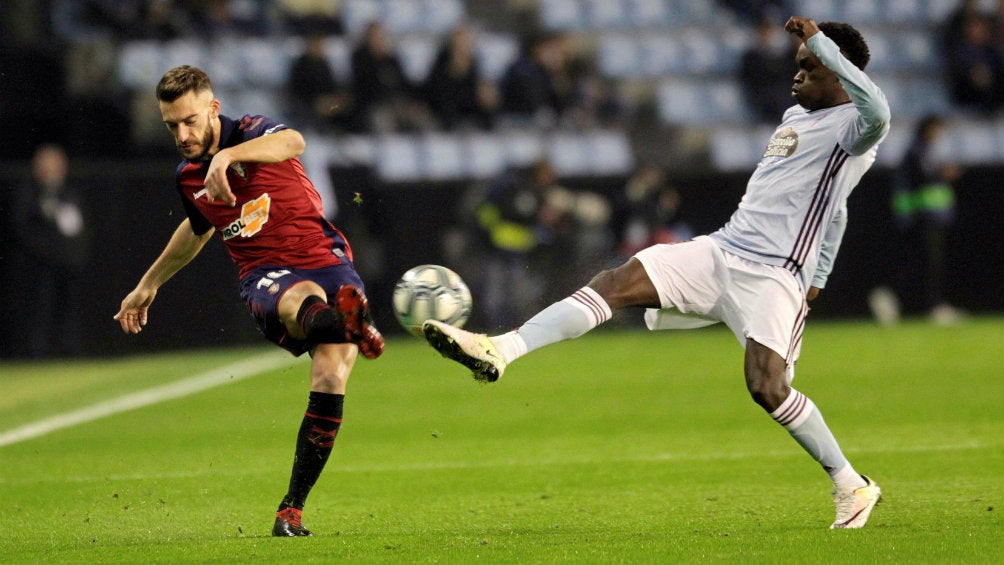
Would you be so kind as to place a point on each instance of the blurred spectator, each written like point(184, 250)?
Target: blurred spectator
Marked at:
point(518, 225)
point(767, 65)
point(539, 85)
point(457, 93)
point(951, 32)
point(318, 101)
point(975, 61)
point(51, 230)
point(88, 20)
point(385, 98)
point(650, 212)
point(312, 17)
point(239, 18)
point(161, 20)
point(597, 104)
point(924, 208)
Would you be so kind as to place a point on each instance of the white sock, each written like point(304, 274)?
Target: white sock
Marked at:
point(582, 311)
point(509, 345)
point(803, 421)
point(847, 478)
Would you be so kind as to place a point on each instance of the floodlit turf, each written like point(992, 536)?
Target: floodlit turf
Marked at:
point(622, 446)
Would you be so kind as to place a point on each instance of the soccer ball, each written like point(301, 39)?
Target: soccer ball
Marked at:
point(431, 292)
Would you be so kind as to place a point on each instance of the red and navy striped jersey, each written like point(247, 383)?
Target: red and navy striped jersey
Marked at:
point(278, 219)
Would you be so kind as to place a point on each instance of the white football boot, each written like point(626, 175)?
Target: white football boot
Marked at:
point(855, 505)
point(474, 351)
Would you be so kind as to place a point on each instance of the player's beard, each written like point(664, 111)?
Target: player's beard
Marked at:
point(207, 141)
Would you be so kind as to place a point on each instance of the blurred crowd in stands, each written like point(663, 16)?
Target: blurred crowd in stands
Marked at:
point(553, 79)
point(62, 85)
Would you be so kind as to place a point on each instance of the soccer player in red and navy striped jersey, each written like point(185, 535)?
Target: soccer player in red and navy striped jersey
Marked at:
point(242, 179)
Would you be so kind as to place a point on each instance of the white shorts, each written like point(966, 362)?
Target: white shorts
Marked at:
point(700, 285)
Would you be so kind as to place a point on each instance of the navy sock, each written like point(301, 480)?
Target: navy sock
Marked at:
point(313, 445)
point(320, 322)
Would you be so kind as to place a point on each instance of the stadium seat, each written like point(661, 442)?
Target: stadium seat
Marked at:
point(892, 149)
point(610, 152)
point(521, 147)
point(700, 51)
point(182, 52)
point(971, 142)
point(918, 51)
point(443, 156)
point(700, 102)
point(357, 14)
point(440, 16)
point(620, 56)
point(139, 64)
point(661, 54)
point(338, 52)
point(860, 11)
point(604, 14)
point(935, 98)
point(884, 55)
point(685, 13)
point(402, 16)
point(398, 159)
point(267, 62)
point(647, 13)
point(495, 52)
point(821, 10)
point(352, 150)
point(901, 91)
point(237, 102)
point(417, 53)
point(937, 11)
point(568, 153)
point(561, 15)
point(591, 153)
point(738, 148)
point(227, 65)
point(902, 11)
point(484, 155)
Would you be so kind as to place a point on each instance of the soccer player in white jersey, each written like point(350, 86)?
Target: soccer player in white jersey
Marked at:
point(758, 272)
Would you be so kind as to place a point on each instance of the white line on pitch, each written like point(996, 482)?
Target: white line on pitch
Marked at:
point(229, 374)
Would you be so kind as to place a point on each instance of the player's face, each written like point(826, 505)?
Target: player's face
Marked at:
point(815, 86)
point(190, 119)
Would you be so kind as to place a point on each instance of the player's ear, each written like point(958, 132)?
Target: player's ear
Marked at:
point(214, 109)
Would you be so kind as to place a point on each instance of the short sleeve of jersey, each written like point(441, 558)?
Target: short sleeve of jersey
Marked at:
point(200, 224)
point(250, 127)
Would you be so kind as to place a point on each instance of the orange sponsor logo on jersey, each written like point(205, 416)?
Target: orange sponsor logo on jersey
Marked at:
point(254, 215)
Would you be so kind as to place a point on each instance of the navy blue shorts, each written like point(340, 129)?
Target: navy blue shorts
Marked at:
point(262, 288)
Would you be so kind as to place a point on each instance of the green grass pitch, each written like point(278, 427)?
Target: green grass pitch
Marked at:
point(623, 446)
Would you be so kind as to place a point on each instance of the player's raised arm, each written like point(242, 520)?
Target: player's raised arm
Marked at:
point(873, 108)
point(271, 148)
point(183, 246)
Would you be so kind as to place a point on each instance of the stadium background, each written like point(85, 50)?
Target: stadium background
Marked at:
point(88, 88)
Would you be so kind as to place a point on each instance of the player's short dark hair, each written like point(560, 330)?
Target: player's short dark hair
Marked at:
point(179, 80)
point(850, 42)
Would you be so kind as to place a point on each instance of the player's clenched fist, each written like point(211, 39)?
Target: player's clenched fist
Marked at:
point(804, 28)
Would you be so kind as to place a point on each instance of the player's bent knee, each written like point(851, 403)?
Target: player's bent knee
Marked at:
point(331, 365)
point(627, 285)
point(766, 376)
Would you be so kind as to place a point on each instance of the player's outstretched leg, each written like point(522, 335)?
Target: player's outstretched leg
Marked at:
point(855, 505)
point(474, 351)
point(354, 311)
point(288, 524)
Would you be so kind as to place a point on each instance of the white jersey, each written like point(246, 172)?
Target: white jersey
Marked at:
point(794, 211)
